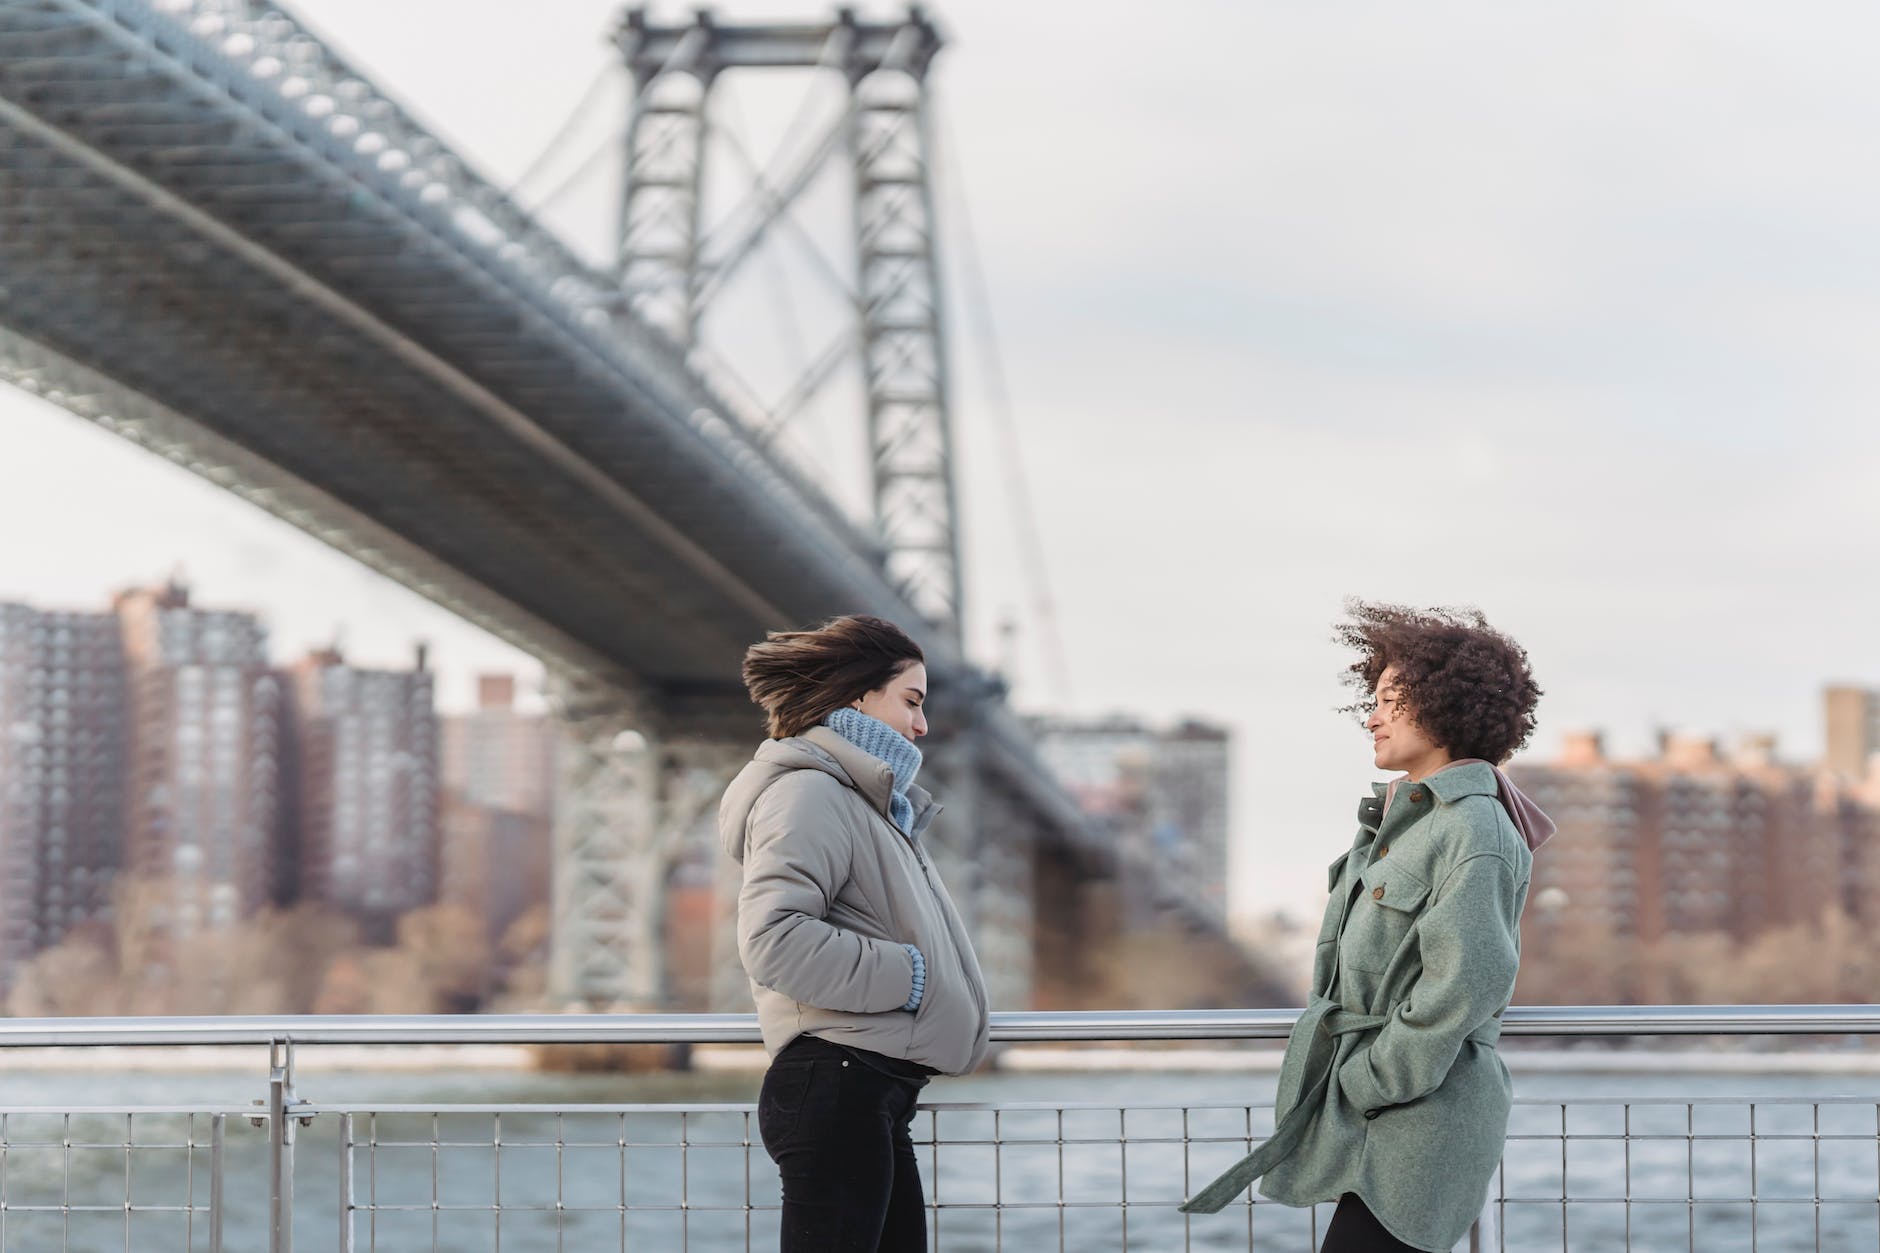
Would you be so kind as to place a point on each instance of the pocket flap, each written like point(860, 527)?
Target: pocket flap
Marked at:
point(1390, 884)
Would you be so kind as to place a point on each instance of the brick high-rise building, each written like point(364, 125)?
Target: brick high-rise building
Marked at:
point(204, 805)
point(62, 766)
point(1691, 841)
point(365, 820)
point(499, 786)
point(1852, 715)
point(498, 755)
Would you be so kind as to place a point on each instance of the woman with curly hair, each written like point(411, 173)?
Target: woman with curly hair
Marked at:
point(1392, 1100)
point(865, 981)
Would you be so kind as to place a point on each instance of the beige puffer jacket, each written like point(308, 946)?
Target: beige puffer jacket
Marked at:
point(832, 892)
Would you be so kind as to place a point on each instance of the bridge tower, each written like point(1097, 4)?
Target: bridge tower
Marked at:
point(884, 133)
point(637, 792)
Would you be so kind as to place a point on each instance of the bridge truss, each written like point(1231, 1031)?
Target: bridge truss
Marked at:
point(219, 239)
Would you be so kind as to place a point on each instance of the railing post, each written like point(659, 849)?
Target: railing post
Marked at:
point(218, 1130)
point(345, 1183)
point(281, 1100)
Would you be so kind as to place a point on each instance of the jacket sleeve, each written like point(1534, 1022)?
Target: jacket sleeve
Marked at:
point(1468, 940)
point(796, 859)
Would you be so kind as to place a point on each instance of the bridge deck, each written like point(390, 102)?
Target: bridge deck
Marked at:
point(225, 219)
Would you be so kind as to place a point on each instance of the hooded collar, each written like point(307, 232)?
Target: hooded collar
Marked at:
point(883, 742)
point(817, 749)
point(871, 776)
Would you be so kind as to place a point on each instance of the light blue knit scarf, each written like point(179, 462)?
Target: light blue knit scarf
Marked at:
point(885, 744)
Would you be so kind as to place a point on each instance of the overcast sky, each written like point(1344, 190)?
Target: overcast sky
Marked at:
point(1567, 312)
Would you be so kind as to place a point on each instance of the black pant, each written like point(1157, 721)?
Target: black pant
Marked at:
point(1354, 1229)
point(837, 1128)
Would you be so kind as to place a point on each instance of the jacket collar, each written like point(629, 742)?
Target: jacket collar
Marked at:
point(1475, 778)
point(872, 777)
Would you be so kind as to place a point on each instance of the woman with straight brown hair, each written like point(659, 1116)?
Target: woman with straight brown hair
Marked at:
point(866, 984)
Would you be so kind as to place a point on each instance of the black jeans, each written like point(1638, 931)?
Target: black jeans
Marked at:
point(837, 1128)
point(1354, 1229)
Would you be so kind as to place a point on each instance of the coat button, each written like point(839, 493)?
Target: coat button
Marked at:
point(1377, 894)
point(1371, 1113)
point(1384, 852)
point(1417, 795)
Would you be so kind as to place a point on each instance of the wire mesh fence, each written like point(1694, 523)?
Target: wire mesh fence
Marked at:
point(131, 1179)
point(1595, 1174)
point(997, 1176)
point(1670, 1173)
point(1662, 1165)
point(1650, 1175)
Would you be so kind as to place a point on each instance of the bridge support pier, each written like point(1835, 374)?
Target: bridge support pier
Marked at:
point(629, 801)
point(1005, 899)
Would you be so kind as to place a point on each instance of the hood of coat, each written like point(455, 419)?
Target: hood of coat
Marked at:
point(818, 748)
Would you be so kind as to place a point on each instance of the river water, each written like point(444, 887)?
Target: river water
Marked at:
point(1690, 1149)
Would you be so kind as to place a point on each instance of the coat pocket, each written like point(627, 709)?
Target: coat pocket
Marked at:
point(1383, 914)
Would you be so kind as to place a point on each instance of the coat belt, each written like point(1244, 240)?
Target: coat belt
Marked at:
point(1323, 1022)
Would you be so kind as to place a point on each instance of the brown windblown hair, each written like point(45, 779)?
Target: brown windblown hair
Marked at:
point(799, 677)
point(1467, 685)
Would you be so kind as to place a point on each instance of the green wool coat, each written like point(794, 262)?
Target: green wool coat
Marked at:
point(1391, 1086)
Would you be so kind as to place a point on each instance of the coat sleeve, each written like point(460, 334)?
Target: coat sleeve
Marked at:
point(796, 859)
point(1469, 943)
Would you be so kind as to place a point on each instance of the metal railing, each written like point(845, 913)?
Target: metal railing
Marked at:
point(1648, 1171)
point(1007, 1028)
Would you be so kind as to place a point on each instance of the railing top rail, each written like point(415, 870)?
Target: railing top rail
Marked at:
point(1100, 1025)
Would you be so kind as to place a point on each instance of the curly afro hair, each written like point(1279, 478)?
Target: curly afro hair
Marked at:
point(1467, 685)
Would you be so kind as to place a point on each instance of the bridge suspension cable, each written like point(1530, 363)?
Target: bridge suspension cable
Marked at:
point(998, 394)
point(565, 133)
point(789, 329)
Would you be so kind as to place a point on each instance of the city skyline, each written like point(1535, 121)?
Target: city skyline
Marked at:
point(164, 786)
point(465, 691)
point(165, 778)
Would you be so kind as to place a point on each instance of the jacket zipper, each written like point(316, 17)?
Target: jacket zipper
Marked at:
point(960, 948)
point(947, 917)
